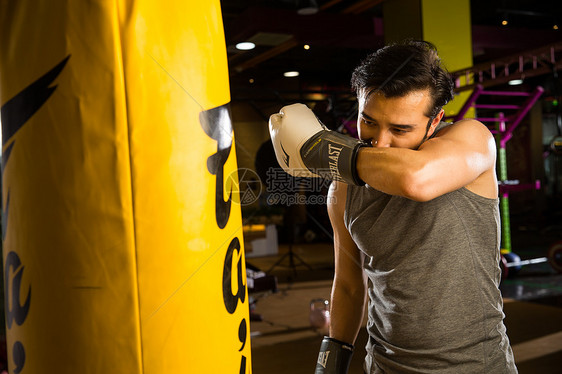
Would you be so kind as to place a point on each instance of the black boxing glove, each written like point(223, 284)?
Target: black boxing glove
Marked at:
point(334, 357)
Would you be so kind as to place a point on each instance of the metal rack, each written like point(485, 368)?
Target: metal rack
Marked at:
point(503, 125)
point(518, 66)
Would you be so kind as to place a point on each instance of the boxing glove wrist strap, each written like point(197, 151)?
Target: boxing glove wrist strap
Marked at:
point(334, 357)
point(333, 155)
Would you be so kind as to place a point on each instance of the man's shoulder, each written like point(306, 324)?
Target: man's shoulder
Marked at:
point(337, 195)
point(473, 140)
point(336, 203)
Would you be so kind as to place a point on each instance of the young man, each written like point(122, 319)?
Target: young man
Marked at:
point(415, 214)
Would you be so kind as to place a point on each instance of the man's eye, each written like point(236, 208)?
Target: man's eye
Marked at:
point(399, 131)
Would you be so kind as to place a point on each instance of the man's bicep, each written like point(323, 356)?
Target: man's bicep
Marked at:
point(456, 158)
point(468, 143)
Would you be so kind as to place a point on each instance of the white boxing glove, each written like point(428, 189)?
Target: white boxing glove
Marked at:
point(304, 147)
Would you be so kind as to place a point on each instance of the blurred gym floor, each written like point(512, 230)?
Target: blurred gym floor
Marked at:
point(284, 341)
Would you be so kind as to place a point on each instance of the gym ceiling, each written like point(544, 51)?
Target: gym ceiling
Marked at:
point(342, 32)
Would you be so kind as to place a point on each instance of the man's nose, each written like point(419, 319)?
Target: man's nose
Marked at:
point(380, 139)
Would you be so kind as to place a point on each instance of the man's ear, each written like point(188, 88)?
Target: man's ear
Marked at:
point(436, 120)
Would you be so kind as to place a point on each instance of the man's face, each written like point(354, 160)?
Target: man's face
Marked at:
point(398, 122)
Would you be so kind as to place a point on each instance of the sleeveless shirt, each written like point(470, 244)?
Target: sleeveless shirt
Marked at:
point(433, 269)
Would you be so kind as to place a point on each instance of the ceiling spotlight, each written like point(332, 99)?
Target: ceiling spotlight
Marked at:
point(307, 7)
point(245, 46)
point(251, 80)
point(555, 27)
point(306, 46)
point(504, 22)
point(515, 82)
point(290, 74)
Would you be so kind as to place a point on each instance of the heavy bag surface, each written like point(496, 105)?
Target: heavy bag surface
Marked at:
point(122, 233)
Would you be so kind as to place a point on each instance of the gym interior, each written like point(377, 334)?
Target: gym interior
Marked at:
point(304, 51)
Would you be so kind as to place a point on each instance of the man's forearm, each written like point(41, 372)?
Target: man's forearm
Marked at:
point(346, 311)
point(394, 171)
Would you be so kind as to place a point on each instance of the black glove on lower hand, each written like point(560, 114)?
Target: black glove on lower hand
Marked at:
point(334, 357)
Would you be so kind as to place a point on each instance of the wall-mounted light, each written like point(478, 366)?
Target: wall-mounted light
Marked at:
point(245, 46)
point(515, 82)
point(291, 74)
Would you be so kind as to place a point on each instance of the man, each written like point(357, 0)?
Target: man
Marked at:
point(415, 214)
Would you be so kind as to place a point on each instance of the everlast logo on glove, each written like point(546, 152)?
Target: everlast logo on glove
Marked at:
point(323, 358)
point(334, 155)
point(336, 362)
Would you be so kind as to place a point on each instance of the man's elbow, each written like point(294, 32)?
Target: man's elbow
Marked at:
point(354, 287)
point(415, 187)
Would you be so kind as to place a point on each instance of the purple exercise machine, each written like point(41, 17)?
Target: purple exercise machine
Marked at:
point(502, 126)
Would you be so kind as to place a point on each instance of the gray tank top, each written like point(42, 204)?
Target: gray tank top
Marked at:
point(434, 302)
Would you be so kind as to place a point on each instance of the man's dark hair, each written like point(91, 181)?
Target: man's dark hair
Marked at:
point(398, 69)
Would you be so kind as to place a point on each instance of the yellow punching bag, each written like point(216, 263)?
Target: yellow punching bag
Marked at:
point(122, 233)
